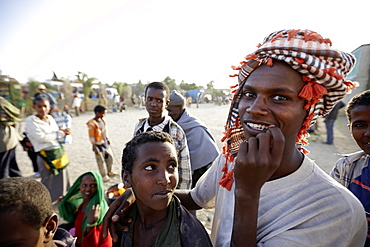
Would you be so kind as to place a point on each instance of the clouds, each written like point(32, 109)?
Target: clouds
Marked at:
point(128, 41)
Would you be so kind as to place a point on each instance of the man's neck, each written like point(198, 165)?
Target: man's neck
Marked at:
point(290, 163)
point(155, 121)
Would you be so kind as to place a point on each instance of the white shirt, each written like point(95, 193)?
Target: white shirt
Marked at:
point(305, 208)
point(41, 134)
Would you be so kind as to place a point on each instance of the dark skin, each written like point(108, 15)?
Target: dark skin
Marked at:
point(154, 178)
point(42, 108)
point(175, 111)
point(16, 233)
point(156, 100)
point(98, 116)
point(271, 113)
point(88, 190)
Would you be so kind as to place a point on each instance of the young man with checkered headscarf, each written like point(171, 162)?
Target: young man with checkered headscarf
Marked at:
point(264, 189)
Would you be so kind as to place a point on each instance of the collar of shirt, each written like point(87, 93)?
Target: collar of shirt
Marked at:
point(158, 127)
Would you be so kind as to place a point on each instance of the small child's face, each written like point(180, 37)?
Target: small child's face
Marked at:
point(88, 186)
point(101, 114)
point(154, 175)
point(15, 233)
point(42, 107)
point(360, 126)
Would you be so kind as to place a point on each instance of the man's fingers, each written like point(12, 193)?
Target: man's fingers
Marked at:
point(113, 234)
point(278, 139)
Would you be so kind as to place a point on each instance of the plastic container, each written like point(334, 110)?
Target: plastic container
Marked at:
point(114, 192)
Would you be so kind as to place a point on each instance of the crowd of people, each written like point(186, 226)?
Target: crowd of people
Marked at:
point(263, 187)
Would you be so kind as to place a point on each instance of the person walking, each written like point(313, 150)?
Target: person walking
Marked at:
point(329, 121)
point(98, 135)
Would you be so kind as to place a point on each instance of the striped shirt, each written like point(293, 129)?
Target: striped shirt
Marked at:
point(179, 138)
point(353, 172)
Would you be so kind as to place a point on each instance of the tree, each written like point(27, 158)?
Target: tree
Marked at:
point(87, 83)
point(120, 86)
point(187, 86)
point(211, 87)
point(171, 83)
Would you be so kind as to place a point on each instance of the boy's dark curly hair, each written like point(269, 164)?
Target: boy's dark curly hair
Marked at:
point(159, 85)
point(39, 98)
point(129, 153)
point(28, 197)
point(358, 100)
point(99, 108)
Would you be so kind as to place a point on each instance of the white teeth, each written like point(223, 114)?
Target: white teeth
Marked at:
point(257, 126)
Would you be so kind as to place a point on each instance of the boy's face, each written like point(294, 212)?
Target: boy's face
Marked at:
point(270, 97)
point(15, 233)
point(42, 107)
point(88, 186)
point(155, 102)
point(360, 126)
point(154, 175)
point(101, 114)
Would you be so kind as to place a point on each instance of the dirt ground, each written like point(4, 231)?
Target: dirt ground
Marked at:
point(121, 125)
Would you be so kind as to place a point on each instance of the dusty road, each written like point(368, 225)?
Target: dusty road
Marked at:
point(121, 127)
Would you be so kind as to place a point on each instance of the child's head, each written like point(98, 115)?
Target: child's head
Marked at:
point(27, 218)
point(159, 86)
point(149, 166)
point(41, 106)
point(100, 111)
point(88, 188)
point(358, 115)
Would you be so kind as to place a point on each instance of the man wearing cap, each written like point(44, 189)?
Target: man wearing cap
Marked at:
point(42, 92)
point(201, 143)
point(264, 189)
point(156, 101)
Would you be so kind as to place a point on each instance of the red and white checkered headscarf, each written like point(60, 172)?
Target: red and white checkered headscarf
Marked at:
point(322, 68)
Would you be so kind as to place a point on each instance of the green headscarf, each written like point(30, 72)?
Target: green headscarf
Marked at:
point(69, 205)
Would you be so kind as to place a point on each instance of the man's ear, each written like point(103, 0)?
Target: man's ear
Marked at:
point(167, 102)
point(126, 179)
point(51, 226)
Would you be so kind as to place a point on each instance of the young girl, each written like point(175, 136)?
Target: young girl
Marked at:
point(150, 169)
point(52, 160)
point(85, 205)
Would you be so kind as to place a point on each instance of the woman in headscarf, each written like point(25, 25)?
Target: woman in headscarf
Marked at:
point(85, 205)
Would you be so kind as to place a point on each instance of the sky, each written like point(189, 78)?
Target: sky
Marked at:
point(195, 41)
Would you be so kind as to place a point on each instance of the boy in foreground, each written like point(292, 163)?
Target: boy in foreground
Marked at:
point(352, 170)
point(265, 190)
point(27, 218)
point(150, 169)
